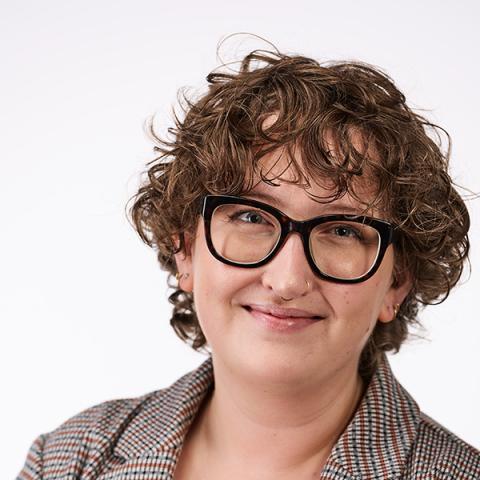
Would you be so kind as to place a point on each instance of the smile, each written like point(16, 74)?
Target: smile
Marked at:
point(281, 322)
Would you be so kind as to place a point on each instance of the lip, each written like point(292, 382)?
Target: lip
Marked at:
point(282, 319)
point(282, 312)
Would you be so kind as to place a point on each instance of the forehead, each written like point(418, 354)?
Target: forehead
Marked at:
point(319, 156)
point(303, 203)
point(284, 181)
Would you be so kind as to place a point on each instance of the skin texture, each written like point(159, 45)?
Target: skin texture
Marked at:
point(281, 400)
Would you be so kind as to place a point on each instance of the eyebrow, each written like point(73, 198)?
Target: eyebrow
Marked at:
point(334, 208)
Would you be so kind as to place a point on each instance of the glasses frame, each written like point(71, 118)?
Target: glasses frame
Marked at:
point(386, 231)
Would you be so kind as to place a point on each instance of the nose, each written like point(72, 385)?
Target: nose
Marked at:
point(288, 274)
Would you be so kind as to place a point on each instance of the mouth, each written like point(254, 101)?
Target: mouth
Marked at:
point(282, 321)
point(290, 313)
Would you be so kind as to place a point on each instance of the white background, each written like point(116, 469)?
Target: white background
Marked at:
point(83, 309)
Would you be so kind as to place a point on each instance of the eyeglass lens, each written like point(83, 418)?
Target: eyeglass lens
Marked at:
point(340, 249)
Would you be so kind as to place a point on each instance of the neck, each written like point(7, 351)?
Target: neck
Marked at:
point(277, 427)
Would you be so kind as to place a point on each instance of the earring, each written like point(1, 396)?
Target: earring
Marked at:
point(396, 308)
point(179, 275)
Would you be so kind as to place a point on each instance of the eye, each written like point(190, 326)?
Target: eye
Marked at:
point(249, 216)
point(346, 231)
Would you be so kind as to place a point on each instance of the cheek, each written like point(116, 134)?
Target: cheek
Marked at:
point(356, 307)
point(363, 301)
point(353, 322)
point(354, 301)
point(216, 292)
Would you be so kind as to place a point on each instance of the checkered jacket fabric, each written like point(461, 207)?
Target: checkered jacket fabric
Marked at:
point(140, 438)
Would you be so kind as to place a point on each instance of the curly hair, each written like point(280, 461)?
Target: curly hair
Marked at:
point(216, 148)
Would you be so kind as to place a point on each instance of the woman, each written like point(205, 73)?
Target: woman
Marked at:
point(307, 213)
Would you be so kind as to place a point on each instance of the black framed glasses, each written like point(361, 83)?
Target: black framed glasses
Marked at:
point(341, 248)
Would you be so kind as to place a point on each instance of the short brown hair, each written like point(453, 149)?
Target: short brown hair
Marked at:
point(217, 145)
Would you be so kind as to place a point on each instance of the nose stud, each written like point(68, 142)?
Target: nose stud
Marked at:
point(288, 299)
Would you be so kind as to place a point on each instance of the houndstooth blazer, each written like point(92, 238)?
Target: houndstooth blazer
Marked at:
point(140, 438)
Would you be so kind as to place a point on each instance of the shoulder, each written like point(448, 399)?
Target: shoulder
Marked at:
point(438, 453)
point(86, 439)
point(116, 430)
point(98, 424)
point(390, 437)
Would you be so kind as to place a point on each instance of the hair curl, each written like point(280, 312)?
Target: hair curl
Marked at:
point(217, 147)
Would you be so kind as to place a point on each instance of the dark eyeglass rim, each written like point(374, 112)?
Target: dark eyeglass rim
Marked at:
point(385, 229)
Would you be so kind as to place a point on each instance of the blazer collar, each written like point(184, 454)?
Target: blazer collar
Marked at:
point(163, 418)
point(375, 444)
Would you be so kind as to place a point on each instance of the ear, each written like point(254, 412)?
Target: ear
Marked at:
point(394, 296)
point(183, 259)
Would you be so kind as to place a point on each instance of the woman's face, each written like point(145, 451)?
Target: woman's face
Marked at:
point(229, 300)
